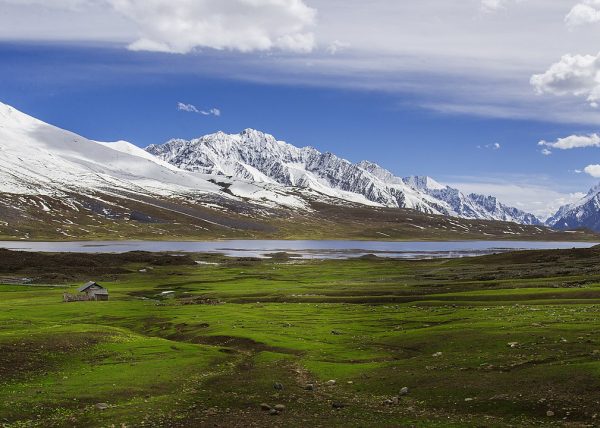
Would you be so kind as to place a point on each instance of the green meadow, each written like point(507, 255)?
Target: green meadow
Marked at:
point(506, 340)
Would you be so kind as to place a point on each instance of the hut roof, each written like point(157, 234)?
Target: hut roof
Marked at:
point(88, 285)
point(101, 292)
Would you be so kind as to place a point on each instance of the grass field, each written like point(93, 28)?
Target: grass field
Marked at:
point(507, 340)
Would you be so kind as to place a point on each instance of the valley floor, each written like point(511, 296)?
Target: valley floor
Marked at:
point(506, 340)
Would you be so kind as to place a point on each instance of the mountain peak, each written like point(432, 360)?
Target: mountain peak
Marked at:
point(423, 182)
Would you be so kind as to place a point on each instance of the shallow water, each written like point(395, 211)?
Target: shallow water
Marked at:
point(303, 249)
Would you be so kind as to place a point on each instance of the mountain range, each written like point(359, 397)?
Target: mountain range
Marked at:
point(57, 184)
point(258, 157)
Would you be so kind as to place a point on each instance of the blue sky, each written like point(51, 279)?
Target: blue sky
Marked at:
point(460, 106)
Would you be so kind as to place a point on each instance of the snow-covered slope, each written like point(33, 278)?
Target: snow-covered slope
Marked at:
point(584, 213)
point(132, 149)
point(40, 159)
point(256, 156)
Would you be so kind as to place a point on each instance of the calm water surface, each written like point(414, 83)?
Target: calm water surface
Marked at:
point(304, 249)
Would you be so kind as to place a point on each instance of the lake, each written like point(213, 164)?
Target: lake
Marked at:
point(303, 249)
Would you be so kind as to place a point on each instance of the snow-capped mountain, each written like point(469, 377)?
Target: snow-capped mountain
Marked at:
point(259, 157)
point(584, 213)
point(41, 159)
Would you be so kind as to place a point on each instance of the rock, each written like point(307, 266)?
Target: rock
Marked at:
point(336, 333)
point(278, 386)
point(101, 406)
point(330, 382)
point(265, 407)
point(404, 391)
point(437, 354)
point(549, 413)
point(337, 405)
point(513, 344)
point(273, 412)
point(469, 399)
point(396, 400)
point(309, 387)
point(388, 402)
point(279, 407)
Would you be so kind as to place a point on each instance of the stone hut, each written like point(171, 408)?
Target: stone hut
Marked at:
point(94, 291)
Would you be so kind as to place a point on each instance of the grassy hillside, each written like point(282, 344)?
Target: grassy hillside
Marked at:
point(110, 217)
point(491, 341)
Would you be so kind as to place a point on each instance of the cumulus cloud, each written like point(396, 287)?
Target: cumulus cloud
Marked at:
point(180, 26)
point(546, 152)
point(577, 75)
point(191, 108)
point(573, 142)
point(593, 170)
point(586, 12)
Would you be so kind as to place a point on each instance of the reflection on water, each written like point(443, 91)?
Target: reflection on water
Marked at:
point(303, 249)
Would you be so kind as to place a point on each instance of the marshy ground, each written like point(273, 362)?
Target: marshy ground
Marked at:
point(506, 340)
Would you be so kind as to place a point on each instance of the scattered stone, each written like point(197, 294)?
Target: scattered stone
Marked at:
point(265, 407)
point(330, 382)
point(388, 402)
point(336, 333)
point(549, 413)
point(279, 407)
point(437, 354)
point(273, 412)
point(101, 406)
point(404, 391)
point(513, 344)
point(338, 405)
point(278, 386)
point(309, 387)
point(469, 399)
point(350, 382)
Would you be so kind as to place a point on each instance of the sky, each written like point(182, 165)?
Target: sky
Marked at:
point(492, 96)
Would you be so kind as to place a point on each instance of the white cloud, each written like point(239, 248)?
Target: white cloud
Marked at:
point(494, 146)
point(577, 75)
point(493, 5)
point(586, 12)
point(337, 46)
point(593, 170)
point(546, 152)
point(573, 142)
point(180, 26)
point(191, 108)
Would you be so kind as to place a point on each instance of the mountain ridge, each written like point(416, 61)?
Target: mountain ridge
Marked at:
point(259, 156)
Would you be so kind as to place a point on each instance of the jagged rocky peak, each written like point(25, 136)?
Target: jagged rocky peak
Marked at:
point(583, 214)
point(254, 155)
point(424, 182)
